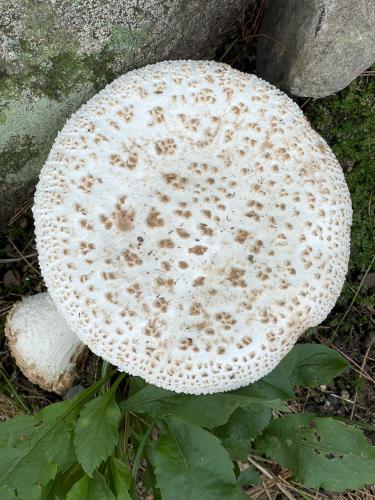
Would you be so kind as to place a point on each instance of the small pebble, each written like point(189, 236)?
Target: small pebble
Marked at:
point(72, 392)
point(12, 278)
point(345, 394)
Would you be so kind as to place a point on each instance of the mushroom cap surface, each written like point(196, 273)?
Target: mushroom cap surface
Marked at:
point(191, 225)
point(43, 346)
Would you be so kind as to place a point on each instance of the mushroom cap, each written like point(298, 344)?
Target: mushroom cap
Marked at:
point(191, 225)
point(44, 348)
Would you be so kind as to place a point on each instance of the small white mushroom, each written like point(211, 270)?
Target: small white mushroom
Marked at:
point(44, 348)
point(191, 225)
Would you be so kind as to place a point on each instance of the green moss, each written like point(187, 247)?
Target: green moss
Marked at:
point(347, 121)
point(47, 61)
point(361, 182)
point(18, 152)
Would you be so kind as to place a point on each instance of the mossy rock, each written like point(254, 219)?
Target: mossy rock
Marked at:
point(54, 55)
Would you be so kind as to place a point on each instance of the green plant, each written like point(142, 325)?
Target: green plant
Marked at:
point(133, 435)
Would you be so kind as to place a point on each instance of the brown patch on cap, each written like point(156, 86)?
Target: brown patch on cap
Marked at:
point(198, 249)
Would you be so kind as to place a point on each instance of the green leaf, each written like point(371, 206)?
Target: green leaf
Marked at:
point(190, 463)
point(120, 479)
point(91, 488)
point(204, 411)
point(249, 476)
point(313, 364)
point(15, 427)
point(65, 481)
point(149, 481)
point(96, 432)
point(321, 452)
point(244, 424)
point(35, 448)
point(35, 453)
point(7, 493)
point(306, 364)
point(237, 449)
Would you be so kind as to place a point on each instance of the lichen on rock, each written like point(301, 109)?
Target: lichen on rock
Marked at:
point(54, 55)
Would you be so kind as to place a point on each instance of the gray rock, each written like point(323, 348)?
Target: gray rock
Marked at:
point(314, 48)
point(55, 54)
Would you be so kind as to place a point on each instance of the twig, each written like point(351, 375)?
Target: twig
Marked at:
point(266, 490)
point(356, 367)
point(371, 343)
point(309, 99)
point(306, 399)
point(272, 477)
point(369, 209)
point(18, 259)
point(22, 256)
point(285, 47)
point(5, 309)
point(21, 211)
point(229, 49)
point(355, 296)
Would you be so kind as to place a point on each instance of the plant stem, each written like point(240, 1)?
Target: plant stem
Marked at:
point(138, 455)
point(13, 390)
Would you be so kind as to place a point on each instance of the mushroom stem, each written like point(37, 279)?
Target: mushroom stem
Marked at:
point(41, 343)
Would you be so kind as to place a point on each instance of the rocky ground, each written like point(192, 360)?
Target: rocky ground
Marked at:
point(347, 121)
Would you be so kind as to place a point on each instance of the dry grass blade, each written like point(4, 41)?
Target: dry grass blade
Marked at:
point(274, 480)
point(355, 296)
point(24, 208)
point(269, 37)
point(4, 310)
point(356, 367)
point(22, 257)
point(8, 409)
point(18, 259)
point(371, 344)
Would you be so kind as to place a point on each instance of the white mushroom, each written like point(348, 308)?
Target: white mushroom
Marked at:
point(191, 225)
point(43, 346)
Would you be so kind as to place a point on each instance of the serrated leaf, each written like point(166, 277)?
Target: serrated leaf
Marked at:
point(249, 476)
point(191, 463)
point(96, 431)
point(244, 424)
point(120, 479)
point(208, 411)
point(91, 488)
point(35, 448)
point(36, 452)
point(321, 452)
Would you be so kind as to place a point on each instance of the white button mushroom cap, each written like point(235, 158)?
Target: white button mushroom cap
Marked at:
point(191, 225)
point(43, 346)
